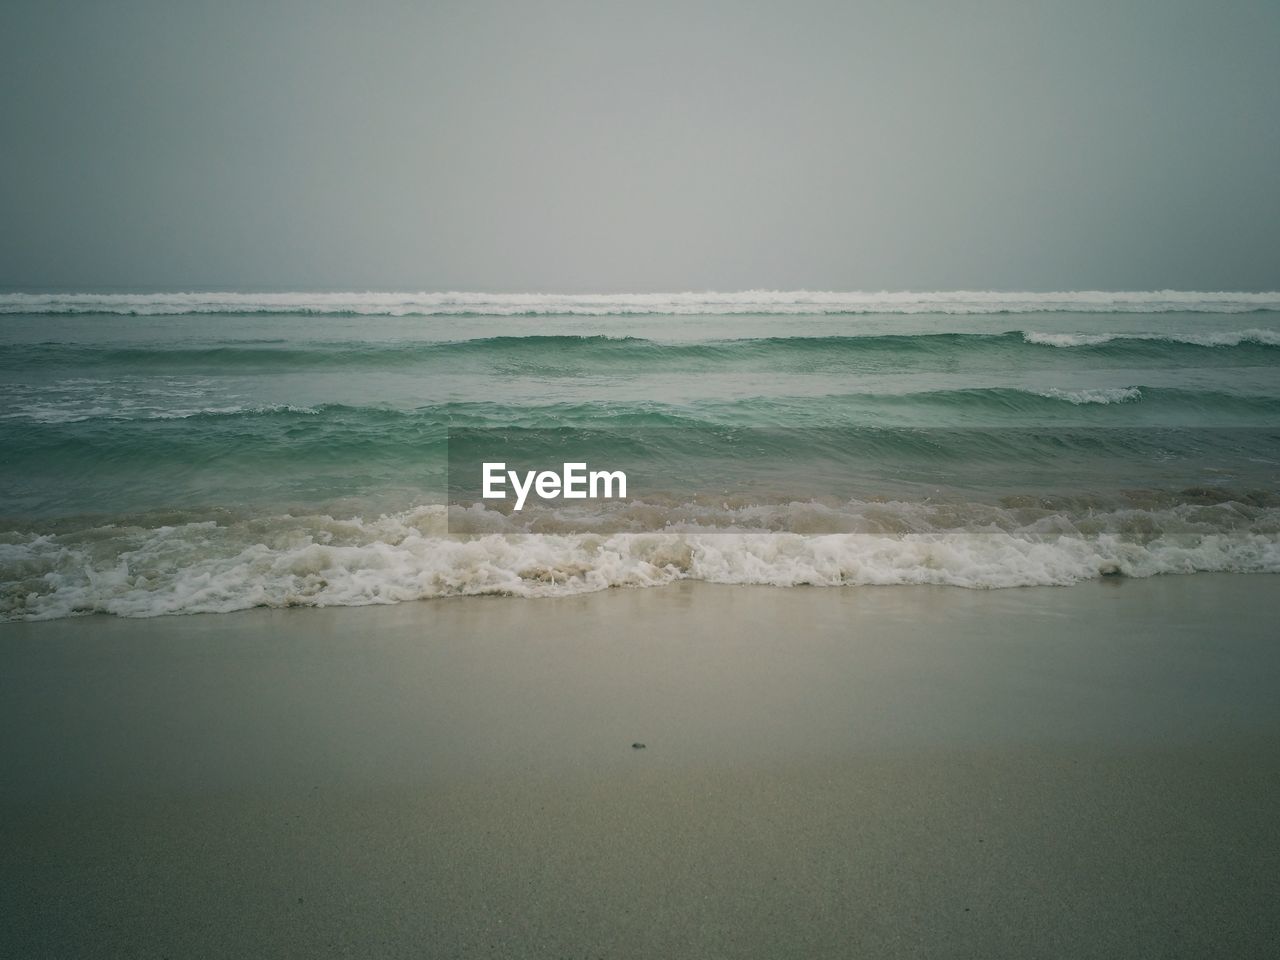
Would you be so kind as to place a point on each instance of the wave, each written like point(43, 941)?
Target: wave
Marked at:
point(1004, 406)
point(1095, 395)
point(689, 303)
point(567, 355)
point(211, 565)
point(1226, 338)
point(51, 411)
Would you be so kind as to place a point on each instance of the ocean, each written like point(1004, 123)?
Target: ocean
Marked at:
point(187, 453)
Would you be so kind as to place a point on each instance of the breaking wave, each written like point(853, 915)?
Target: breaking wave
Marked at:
point(691, 303)
point(141, 569)
point(859, 408)
point(569, 355)
point(1225, 338)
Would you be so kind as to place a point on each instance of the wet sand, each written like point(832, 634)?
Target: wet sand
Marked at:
point(906, 771)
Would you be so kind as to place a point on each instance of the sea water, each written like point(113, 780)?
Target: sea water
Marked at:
point(178, 453)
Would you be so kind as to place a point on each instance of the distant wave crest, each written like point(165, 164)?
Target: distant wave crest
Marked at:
point(744, 302)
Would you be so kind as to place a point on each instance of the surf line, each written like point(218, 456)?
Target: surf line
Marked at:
point(574, 482)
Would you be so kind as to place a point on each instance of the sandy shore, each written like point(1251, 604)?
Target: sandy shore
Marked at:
point(1081, 772)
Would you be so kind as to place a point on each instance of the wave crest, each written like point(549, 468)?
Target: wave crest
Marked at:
point(1095, 395)
point(211, 566)
point(1225, 338)
point(743, 302)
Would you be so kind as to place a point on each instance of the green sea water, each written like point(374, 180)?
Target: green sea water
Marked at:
point(169, 455)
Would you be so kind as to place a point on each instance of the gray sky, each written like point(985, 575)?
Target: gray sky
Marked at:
point(640, 146)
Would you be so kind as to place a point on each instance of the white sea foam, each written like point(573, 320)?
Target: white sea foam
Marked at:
point(70, 412)
point(65, 412)
point(203, 567)
point(1095, 395)
point(743, 302)
point(1225, 338)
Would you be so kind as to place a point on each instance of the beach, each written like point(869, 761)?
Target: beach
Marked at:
point(561, 481)
point(896, 771)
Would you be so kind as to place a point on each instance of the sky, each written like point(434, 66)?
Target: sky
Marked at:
point(640, 146)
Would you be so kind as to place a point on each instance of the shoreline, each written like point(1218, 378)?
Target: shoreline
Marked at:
point(898, 771)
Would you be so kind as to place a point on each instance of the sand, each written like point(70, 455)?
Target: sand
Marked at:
point(884, 772)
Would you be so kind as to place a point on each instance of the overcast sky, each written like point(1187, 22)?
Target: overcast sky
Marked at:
point(640, 146)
